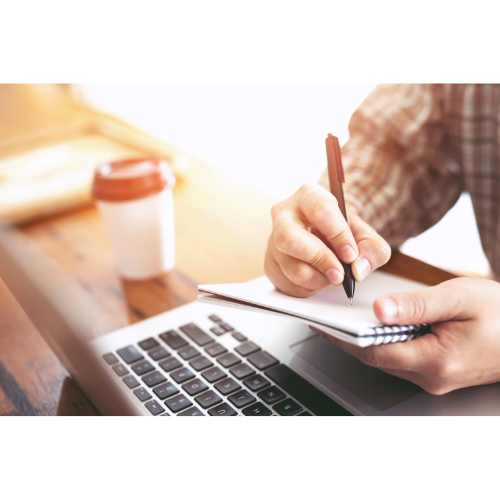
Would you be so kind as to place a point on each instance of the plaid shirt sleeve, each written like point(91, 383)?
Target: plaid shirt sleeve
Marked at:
point(396, 179)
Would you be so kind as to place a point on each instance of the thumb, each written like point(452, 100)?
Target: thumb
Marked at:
point(450, 300)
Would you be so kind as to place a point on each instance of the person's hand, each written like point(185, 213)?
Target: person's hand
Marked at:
point(463, 348)
point(299, 263)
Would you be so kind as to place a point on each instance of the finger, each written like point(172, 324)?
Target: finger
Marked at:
point(452, 300)
point(322, 210)
point(291, 237)
point(281, 282)
point(301, 273)
point(374, 251)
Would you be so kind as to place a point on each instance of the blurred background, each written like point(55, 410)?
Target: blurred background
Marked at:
point(269, 135)
point(272, 136)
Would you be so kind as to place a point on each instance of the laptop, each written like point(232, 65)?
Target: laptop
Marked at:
point(207, 360)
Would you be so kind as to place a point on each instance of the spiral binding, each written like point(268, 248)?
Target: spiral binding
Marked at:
point(392, 334)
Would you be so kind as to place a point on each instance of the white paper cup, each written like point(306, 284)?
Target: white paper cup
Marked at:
point(135, 200)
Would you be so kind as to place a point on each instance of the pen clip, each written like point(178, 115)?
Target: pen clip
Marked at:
point(334, 157)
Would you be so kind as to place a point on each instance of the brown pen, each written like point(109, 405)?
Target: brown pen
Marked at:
point(336, 178)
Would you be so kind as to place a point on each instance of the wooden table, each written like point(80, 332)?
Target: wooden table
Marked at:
point(221, 224)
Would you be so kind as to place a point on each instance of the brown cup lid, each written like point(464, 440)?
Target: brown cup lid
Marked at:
point(132, 179)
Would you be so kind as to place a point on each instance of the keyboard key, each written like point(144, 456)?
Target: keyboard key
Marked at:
point(148, 343)
point(215, 350)
point(215, 318)
point(158, 354)
point(201, 363)
point(304, 392)
point(130, 381)
point(196, 334)
point(239, 336)
point(287, 408)
point(257, 410)
point(213, 374)
point(208, 399)
point(192, 412)
point(154, 407)
point(129, 354)
point(195, 387)
point(262, 360)
point(154, 378)
point(218, 330)
point(173, 339)
point(223, 410)
point(178, 403)
point(110, 358)
point(188, 353)
point(227, 360)
point(242, 371)
point(143, 367)
point(256, 382)
point(227, 386)
point(120, 370)
point(271, 395)
point(227, 328)
point(247, 349)
point(182, 375)
point(304, 414)
point(142, 394)
point(170, 364)
point(165, 414)
point(165, 391)
point(242, 398)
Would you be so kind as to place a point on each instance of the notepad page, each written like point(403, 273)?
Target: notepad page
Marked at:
point(329, 307)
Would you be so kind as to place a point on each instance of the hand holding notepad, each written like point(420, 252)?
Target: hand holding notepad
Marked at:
point(327, 310)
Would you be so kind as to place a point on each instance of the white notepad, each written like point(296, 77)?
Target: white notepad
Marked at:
point(329, 310)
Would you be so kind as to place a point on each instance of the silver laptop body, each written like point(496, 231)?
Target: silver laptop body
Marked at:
point(306, 372)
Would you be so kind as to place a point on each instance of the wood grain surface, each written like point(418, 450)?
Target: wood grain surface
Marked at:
point(221, 228)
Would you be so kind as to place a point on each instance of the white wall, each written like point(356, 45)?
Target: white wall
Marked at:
point(273, 137)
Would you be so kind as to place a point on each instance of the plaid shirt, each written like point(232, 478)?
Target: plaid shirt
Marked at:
point(413, 149)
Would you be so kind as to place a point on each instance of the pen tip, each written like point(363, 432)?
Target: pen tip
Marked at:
point(351, 300)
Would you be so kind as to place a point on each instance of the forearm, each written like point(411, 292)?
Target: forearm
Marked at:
point(394, 180)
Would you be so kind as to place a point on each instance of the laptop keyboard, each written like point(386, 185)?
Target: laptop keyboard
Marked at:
point(196, 376)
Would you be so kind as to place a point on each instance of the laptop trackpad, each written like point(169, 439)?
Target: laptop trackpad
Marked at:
point(376, 388)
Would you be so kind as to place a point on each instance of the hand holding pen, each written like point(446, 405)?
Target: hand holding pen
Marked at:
point(311, 240)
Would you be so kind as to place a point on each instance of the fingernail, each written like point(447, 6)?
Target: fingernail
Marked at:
point(389, 308)
point(362, 267)
point(334, 276)
point(347, 253)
